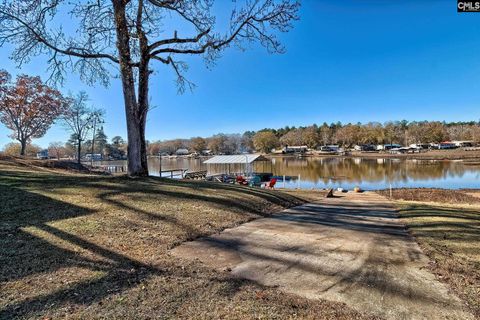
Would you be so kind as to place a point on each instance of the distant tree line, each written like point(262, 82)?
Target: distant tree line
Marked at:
point(314, 136)
point(346, 135)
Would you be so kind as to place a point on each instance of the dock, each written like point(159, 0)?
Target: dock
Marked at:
point(196, 175)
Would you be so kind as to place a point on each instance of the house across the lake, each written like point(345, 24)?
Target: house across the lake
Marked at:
point(294, 149)
point(388, 146)
point(93, 156)
point(182, 152)
point(42, 154)
point(365, 147)
point(329, 148)
point(464, 144)
point(445, 145)
point(420, 146)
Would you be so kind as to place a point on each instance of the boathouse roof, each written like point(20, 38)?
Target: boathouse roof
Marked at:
point(236, 158)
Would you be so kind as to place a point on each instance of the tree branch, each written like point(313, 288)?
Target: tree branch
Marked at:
point(178, 67)
point(177, 40)
point(200, 24)
point(66, 51)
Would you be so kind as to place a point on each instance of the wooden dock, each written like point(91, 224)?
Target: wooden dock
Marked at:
point(174, 173)
point(179, 173)
point(196, 175)
point(112, 168)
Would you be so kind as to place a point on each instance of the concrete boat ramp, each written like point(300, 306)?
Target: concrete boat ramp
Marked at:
point(351, 249)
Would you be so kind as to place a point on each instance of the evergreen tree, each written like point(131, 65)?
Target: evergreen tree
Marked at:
point(101, 141)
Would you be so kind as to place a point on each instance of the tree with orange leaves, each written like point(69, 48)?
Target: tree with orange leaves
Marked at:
point(28, 107)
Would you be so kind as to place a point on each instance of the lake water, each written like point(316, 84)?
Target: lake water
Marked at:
point(347, 173)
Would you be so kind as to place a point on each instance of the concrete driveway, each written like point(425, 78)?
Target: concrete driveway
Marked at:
point(350, 249)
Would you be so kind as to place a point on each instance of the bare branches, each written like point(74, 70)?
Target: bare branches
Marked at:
point(254, 22)
point(159, 43)
point(196, 12)
point(180, 68)
point(27, 24)
point(92, 51)
point(36, 35)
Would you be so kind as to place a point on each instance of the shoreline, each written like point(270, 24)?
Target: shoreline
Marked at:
point(472, 156)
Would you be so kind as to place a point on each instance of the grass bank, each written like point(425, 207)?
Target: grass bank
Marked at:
point(444, 196)
point(446, 224)
point(87, 246)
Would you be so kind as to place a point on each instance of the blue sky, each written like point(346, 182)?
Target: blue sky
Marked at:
point(347, 61)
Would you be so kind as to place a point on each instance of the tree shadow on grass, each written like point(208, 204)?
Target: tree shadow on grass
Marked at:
point(275, 197)
point(148, 185)
point(245, 250)
point(24, 253)
point(461, 226)
point(425, 211)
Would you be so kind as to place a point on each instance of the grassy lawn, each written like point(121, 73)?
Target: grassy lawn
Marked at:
point(450, 236)
point(88, 246)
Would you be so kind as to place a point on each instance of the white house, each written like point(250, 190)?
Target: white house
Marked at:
point(42, 154)
point(93, 156)
point(365, 147)
point(294, 149)
point(330, 148)
point(420, 146)
point(388, 146)
point(462, 144)
point(182, 152)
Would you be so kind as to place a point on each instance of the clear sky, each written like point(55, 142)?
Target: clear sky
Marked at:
point(348, 61)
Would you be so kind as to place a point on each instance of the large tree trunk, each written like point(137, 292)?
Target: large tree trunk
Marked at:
point(137, 159)
point(79, 151)
point(137, 154)
point(23, 147)
point(143, 77)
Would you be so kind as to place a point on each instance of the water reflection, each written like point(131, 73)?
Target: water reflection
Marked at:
point(350, 172)
point(379, 173)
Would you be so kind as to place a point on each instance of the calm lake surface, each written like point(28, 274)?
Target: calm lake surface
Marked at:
point(347, 173)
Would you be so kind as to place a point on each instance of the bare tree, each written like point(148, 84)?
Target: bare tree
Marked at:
point(217, 142)
point(79, 120)
point(292, 138)
point(56, 149)
point(125, 36)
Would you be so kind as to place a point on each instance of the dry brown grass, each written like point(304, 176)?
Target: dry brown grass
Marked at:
point(86, 246)
point(307, 195)
point(432, 195)
point(65, 165)
point(450, 237)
